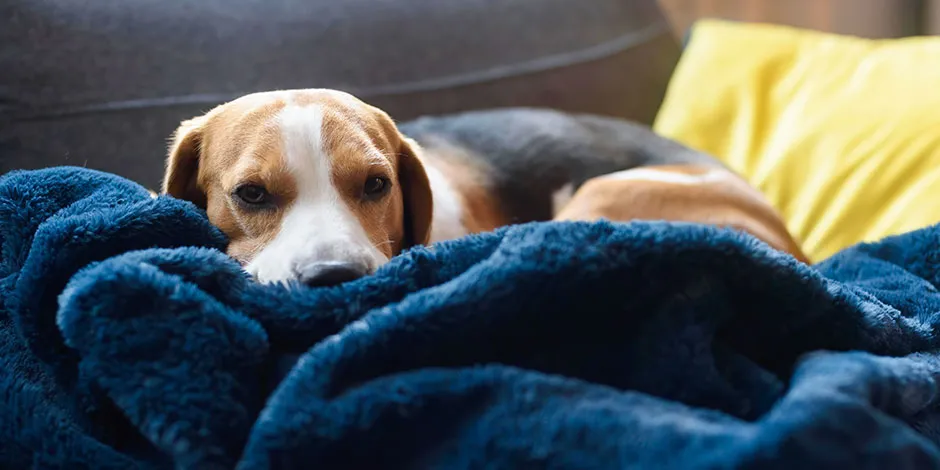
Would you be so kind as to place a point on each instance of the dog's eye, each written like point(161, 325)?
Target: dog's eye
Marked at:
point(252, 194)
point(375, 187)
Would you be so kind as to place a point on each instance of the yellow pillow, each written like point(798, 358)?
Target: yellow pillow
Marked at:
point(841, 133)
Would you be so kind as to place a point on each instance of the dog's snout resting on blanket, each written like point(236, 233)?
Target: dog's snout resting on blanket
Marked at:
point(320, 187)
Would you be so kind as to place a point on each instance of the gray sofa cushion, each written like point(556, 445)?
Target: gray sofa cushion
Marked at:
point(103, 84)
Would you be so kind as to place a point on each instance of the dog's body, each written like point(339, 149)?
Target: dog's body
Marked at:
point(529, 161)
point(316, 186)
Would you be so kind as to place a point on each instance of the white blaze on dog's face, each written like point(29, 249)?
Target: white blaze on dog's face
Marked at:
point(309, 185)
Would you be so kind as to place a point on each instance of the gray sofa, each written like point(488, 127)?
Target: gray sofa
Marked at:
point(103, 84)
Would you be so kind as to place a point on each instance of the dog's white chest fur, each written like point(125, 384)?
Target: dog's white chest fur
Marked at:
point(447, 218)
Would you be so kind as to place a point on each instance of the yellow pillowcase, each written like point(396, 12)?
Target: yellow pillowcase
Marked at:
point(841, 133)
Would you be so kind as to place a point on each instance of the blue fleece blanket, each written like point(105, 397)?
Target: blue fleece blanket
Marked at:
point(128, 340)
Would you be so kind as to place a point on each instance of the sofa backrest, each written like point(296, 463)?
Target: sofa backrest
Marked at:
point(103, 84)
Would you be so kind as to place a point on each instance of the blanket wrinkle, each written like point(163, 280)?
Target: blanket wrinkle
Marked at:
point(128, 339)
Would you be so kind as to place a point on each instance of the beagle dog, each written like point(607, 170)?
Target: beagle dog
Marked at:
point(318, 187)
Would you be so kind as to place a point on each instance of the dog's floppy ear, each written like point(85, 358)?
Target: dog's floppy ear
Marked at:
point(182, 165)
point(416, 194)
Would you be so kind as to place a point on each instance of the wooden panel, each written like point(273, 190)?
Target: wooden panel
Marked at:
point(932, 17)
point(866, 18)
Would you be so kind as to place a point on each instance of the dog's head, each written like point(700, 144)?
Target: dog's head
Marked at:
point(309, 185)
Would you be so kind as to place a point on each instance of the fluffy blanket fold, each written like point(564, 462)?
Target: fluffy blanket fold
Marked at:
point(128, 340)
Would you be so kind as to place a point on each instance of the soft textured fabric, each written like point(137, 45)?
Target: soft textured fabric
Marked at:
point(839, 132)
point(115, 78)
point(128, 341)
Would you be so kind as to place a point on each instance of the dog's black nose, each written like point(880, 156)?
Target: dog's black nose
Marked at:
point(331, 273)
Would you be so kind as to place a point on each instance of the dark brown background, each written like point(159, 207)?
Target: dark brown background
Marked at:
point(866, 18)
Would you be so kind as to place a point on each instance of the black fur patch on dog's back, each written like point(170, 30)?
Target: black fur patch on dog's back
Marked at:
point(532, 153)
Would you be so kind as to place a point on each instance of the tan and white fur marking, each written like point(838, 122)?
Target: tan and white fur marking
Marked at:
point(687, 193)
point(318, 226)
point(447, 219)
